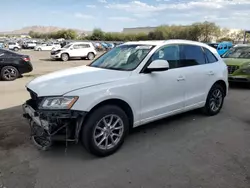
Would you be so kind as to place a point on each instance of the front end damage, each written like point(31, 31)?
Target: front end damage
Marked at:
point(52, 125)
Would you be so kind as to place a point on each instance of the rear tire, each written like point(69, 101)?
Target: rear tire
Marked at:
point(9, 73)
point(91, 56)
point(15, 49)
point(215, 100)
point(39, 49)
point(103, 139)
point(65, 57)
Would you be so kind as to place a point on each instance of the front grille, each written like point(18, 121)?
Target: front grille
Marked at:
point(232, 68)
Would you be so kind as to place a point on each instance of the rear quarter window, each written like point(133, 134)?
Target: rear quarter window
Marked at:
point(210, 56)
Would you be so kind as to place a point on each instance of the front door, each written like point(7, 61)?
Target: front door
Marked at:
point(163, 92)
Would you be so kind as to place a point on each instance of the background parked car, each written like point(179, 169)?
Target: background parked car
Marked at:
point(14, 46)
point(75, 50)
point(12, 65)
point(29, 45)
point(223, 47)
point(238, 62)
point(47, 47)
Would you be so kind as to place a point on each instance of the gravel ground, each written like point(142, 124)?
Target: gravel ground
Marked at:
point(188, 150)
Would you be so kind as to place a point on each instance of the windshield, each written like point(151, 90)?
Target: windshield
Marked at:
point(67, 46)
point(238, 52)
point(125, 57)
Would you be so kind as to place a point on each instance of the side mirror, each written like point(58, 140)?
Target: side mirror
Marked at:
point(158, 65)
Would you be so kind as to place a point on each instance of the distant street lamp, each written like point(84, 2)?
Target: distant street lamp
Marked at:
point(245, 35)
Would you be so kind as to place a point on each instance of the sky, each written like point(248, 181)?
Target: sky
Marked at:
point(114, 15)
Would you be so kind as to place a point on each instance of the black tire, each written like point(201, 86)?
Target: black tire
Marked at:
point(90, 128)
point(65, 57)
point(39, 49)
point(9, 73)
point(15, 49)
point(91, 56)
point(218, 103)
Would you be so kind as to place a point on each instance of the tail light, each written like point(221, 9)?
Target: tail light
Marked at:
point(26, 59)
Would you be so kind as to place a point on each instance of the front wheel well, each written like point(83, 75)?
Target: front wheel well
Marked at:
point(223, 85)
point(116, 102)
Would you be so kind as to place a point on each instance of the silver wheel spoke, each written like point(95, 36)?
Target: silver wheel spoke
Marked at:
point(113, 126)
point(106, 142)
point(99, 143)
point(105, 122)
point(98, 135)
point(117, 128)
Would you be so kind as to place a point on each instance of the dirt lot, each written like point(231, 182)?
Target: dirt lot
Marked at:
point(189, 150)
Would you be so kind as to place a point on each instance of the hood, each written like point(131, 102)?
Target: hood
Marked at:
point(236, 61)
point(64, 81)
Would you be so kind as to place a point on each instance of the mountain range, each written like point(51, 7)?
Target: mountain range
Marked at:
point(41, 29)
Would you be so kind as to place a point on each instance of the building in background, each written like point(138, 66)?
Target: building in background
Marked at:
point(138, 30)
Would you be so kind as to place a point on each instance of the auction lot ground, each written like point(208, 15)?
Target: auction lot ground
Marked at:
point(189, 150)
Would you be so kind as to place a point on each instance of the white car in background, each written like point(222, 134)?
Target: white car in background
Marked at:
point(129, 86)
point(75, 50)
point(47, 47)
point(14, 46)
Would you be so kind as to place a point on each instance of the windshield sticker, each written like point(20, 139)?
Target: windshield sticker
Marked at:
point(143, 47)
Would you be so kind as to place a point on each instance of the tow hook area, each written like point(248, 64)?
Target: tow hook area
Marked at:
point(53, 125)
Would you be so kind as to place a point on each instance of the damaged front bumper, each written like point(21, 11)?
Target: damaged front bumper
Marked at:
point(49, 125)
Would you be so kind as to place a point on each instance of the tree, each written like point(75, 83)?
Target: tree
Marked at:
point(97, 34)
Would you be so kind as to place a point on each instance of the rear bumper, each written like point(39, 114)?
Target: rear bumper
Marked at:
point(63, 125)
point(25, 69)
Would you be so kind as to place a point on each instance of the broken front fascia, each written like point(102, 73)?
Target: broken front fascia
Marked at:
point(54, 122)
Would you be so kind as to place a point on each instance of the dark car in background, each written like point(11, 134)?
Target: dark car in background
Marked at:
point(13, 65)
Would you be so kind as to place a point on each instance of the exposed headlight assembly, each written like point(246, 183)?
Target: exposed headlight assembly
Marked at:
point(51, 103)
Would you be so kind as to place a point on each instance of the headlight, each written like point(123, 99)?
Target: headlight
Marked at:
point(58, 102)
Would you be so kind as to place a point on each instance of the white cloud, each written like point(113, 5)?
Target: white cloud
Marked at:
point(123, 19)
point(83, 16)
point(102, 1)
point(90, 6)
point(227, 13)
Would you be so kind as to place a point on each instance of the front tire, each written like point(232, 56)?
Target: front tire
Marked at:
point(9, 73)
point(65, 57)
point(105, 130)
point(215, 100)
point(15, 49)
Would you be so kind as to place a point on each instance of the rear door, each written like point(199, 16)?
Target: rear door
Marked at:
point(192, 62)
point(85, 48)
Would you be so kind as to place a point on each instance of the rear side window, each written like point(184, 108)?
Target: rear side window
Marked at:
point(191, 55)
point(210, 56)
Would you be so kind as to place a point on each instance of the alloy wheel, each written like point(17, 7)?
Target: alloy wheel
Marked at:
point(216, 100)
point(9, 73)
point(108, 132)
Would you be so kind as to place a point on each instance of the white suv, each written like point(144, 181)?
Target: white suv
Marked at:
point(14, 46)
point(131, 85)
point(75, 50)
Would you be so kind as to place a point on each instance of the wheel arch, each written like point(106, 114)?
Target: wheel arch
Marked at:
point(117, 102)
point(223, 84)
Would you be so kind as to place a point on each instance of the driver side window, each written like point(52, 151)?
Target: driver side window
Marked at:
point(169, 53)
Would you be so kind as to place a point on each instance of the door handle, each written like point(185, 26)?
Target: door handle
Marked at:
point(210, 73)
point(181, 78)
